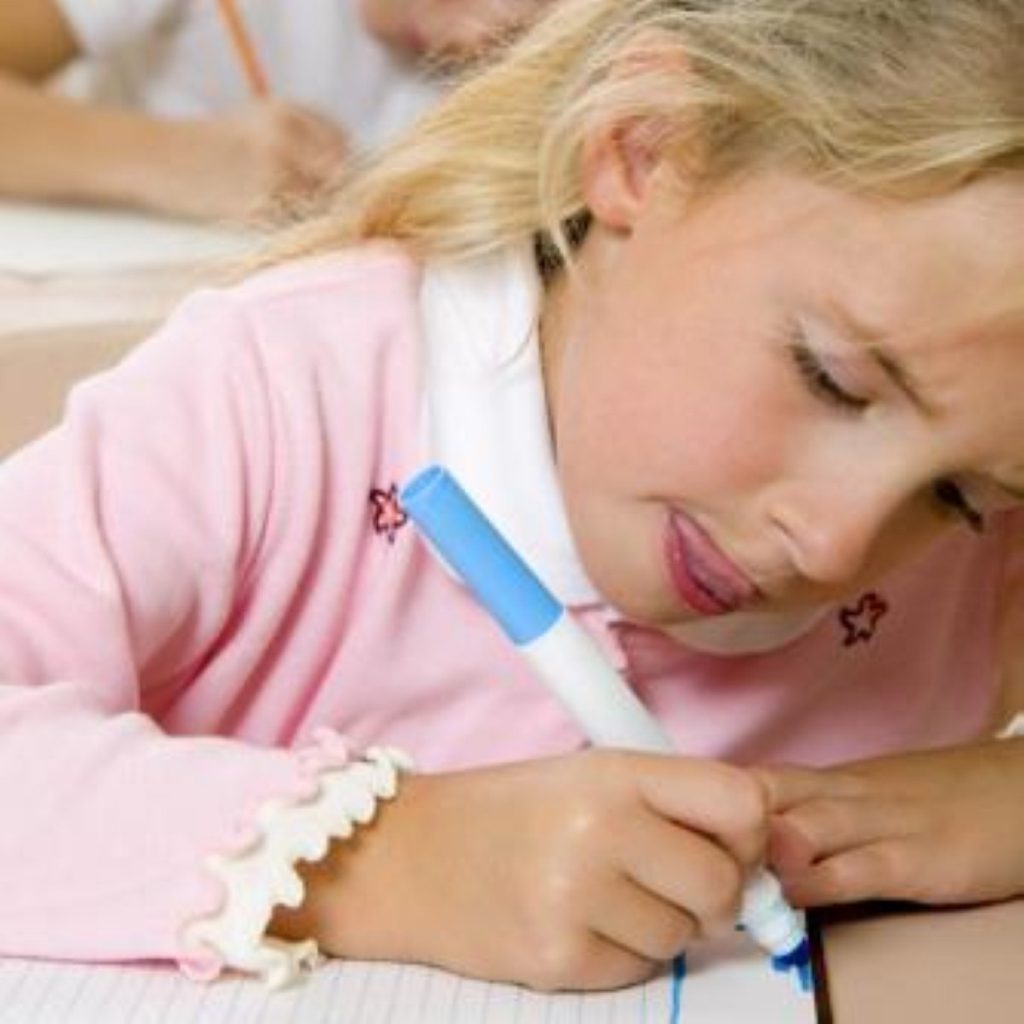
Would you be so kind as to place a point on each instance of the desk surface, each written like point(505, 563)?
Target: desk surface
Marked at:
point(49, 239)
point(899, 965)
point(67, 266)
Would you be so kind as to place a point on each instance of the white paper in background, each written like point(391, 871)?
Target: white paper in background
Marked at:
point(724, 983)
point(39, 240)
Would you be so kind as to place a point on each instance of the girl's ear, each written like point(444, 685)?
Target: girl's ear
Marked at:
point(617, 171)
point(620, 160)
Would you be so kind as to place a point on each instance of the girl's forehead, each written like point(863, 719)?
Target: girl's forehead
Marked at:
point(969, 372)
point(955, 260)
point(975, 228)
point(937, 285)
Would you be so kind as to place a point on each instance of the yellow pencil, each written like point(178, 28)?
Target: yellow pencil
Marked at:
point(244, 49)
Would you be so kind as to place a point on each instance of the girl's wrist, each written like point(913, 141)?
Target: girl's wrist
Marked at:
point(262, 870)
point(360, 897)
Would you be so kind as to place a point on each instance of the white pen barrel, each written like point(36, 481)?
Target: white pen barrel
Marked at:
point(594, 694)
point(565, 656)
point(610, 713)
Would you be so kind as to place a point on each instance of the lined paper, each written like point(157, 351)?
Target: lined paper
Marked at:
point(724, 983)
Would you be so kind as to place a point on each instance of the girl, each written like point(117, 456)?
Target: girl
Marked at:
point(713, 306)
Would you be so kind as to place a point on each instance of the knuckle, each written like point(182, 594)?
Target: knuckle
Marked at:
point(607, 762)
point(872, 872)
point(948, 875)
point(583, 824)
point(820, 820)
point(671, 939)
point(289, 126)
point(558, 961)
point(838, 879)
point(749, 804)
point(601, 779)
point(559, 892)
point(878, 867)
point(744, 796)
point(278, 114)
point(721, 888)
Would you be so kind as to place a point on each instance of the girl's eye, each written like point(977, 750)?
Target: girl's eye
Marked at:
point(951, 496)
point(820, 382)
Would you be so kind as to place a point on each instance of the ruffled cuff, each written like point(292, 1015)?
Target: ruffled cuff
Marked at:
point(260, 874)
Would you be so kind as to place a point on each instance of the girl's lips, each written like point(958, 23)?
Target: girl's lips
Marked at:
point(704, 578)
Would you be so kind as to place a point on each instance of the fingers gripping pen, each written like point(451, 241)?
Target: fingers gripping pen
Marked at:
point(570, 663)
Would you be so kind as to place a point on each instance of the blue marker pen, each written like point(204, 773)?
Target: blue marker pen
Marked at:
point(570, 663)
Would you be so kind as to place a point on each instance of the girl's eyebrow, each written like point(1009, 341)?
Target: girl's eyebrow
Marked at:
point(900, 376)
point(870, 337)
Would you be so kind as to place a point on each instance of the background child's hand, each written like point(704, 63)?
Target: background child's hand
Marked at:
point(258, 163)
point(943, 826)
point(584, 871)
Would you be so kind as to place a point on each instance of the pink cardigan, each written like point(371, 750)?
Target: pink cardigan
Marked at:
point(205, 563)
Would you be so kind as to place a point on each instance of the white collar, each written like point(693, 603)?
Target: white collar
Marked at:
point(486, 411)
point(486, 420)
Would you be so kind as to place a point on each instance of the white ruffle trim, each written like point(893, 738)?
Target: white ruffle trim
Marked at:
point(263, 875)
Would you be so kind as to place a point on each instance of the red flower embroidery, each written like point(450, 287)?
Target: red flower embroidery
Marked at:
point(388, 515)
point(861, 619)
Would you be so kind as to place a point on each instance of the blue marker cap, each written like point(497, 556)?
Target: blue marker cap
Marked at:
point(470, 544)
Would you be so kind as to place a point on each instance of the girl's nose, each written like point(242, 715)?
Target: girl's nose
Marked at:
point(831, 530)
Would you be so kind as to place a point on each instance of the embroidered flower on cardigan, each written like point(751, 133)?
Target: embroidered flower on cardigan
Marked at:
point(860, 620)
point(388, 515)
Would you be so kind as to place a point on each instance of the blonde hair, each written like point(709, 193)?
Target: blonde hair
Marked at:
point(898, 96)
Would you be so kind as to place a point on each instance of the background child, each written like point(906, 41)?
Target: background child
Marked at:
point(170, 122)
point(753, 434)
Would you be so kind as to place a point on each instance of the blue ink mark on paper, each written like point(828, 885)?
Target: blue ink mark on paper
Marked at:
point(798, 961)
point(678, 974)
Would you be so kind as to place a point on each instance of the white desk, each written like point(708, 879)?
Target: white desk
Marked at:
point(79, 286)
point(69, 266)
point(52, 239)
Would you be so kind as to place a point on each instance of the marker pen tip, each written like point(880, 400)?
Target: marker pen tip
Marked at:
point(797, 960)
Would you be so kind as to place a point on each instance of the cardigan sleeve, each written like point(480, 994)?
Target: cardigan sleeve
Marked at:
point(124, 540)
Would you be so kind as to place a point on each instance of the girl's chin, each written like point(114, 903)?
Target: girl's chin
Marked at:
point(657, 617)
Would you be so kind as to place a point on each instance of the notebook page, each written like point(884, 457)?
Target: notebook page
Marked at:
point(723, 983)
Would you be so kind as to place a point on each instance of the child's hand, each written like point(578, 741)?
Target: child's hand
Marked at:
point(943, 826)
point(251, 165)
point(584, 871)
